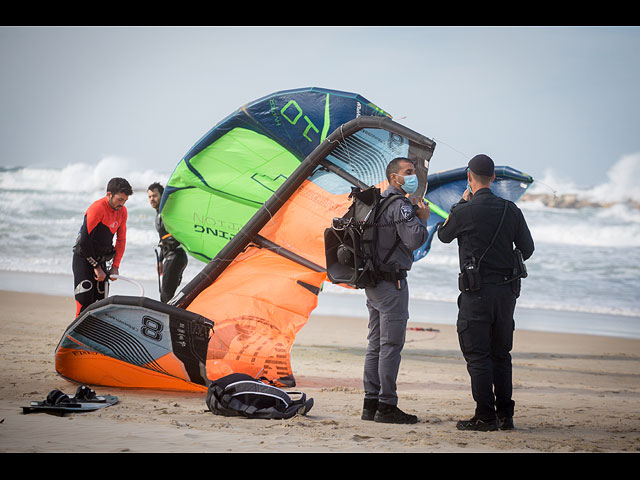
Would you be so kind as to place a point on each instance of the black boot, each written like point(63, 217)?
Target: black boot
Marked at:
point(505, 423)
point(392, 414)
point(478, 425)
point(369, 408)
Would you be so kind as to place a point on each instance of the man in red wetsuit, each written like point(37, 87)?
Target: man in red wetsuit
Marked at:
point(94, 247)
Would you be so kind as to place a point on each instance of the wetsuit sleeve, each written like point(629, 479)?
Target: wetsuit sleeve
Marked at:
point(92, 218)
point(448, 231)
point(411, 229)
point(523, 240)
point(121, 239)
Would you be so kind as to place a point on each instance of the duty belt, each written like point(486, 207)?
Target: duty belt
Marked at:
point(392, 273)
point(494, 278)
point(393, 276)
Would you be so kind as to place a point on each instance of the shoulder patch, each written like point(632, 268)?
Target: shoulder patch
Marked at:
point(406, 210)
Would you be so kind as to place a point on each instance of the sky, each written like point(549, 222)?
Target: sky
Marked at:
point(559, 100)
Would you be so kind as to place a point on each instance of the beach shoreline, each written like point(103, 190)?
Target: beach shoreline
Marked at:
point(573, 393)
point(352, 304)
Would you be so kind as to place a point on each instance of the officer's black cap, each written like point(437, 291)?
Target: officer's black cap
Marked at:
point(481, 165)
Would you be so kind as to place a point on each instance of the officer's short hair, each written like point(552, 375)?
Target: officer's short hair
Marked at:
point(483, 179)
point(119, 185)
point(394, 166)
point(156, 186)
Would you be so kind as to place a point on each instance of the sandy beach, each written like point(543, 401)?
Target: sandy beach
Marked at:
point(573, 393)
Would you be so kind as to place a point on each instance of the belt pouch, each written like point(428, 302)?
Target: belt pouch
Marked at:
point(469, 280)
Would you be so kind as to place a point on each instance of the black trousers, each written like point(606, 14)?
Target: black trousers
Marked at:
point(485, 332)
point(86, 288)
point(173, 265)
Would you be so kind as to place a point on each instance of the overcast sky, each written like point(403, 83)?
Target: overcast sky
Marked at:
point(565, 99)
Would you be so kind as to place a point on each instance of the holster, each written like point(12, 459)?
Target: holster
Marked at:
point(392, 273)
point(519, 272)
point(515, 287)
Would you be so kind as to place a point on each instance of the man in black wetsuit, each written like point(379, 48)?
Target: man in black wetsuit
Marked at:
point(172, 259)
point(487, 301)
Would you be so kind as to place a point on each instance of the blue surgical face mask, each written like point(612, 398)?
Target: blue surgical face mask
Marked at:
point(410, 183)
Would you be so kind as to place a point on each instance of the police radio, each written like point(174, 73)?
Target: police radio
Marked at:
point(469, 279)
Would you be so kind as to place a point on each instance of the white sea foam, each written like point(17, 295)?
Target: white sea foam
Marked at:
point(587, 232)
point(621, 184)
point(616, 224)
point(80, 177)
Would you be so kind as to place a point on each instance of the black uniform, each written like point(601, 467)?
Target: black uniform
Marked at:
point(174, 261)
point(485, 318)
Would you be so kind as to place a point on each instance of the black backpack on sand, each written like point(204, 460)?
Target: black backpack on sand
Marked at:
point(241, 395)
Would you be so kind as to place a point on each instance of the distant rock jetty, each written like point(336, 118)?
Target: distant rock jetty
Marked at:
point(571, 200)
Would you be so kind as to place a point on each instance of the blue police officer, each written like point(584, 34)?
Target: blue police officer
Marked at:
point(403, 228)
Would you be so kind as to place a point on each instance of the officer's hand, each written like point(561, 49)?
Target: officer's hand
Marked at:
point(99, 274)
point(423, 211)
point(467, 195)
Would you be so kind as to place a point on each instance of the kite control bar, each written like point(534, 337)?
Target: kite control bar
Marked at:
point(126, 280)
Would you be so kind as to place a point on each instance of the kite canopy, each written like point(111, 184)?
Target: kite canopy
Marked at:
point(261, 287)
point(252, 198)
point(228, 174)
point(137, 342)
point(446, 188)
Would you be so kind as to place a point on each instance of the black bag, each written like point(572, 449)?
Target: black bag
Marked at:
point(241, 395)
point(469, 279)
point(350, 242)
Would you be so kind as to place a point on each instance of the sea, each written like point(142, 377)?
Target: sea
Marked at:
point(584, 276)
